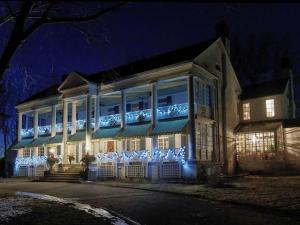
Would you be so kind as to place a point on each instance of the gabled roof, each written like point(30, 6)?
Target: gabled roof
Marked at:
point(51, 91)
point(264, 89)
point(187, 53)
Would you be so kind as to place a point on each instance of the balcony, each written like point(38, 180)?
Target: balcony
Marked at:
point(44, 130)
point(173, 111)
point(110, 121)
point(27, 132)
point(138, 116)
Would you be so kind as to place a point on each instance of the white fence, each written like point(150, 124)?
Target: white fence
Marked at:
point(30, 171)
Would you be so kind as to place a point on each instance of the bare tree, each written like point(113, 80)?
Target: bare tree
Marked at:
point(30, 15)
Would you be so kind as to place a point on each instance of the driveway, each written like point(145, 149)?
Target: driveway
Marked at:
point(148, 207)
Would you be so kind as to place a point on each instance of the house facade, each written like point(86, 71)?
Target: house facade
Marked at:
point(161, 118)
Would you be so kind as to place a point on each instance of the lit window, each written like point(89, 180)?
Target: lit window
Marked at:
point(135, 144)
point(270, 112)
point(246, 111)
point(40, 151)
point(163, 142)
point(26, 152)
point(260, 145)
point(110, 146)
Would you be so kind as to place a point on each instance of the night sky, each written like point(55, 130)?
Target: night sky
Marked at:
point(136, 31)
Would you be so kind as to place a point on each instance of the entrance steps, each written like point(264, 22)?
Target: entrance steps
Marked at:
point(71, 175)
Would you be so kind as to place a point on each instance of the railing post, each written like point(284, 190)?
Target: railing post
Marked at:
point(36, 124)
point(88, 123)
point(73, 131)
point(123, 109)
point(96, 112)
point(20, 126)
point(53, 121)
point(191, 116)
point(154, 117)
point(65, 130)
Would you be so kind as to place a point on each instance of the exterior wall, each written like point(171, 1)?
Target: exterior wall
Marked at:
point(258, 108)
point(292, 148)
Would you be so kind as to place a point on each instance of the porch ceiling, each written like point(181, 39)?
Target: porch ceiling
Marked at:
point(170, 127)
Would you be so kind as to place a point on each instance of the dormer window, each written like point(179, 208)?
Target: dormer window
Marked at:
point(270, 111)
point(246, 111)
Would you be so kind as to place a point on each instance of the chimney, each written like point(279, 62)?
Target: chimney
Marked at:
point(222, 31)
point(286, 70)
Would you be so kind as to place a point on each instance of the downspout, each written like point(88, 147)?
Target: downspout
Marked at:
point(224, 120)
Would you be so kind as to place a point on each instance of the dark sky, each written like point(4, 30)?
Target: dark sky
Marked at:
point(136, 31)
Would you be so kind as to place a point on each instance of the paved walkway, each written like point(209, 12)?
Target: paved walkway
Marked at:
point(272, 192)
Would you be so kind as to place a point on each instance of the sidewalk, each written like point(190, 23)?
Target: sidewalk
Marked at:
point(282, 192)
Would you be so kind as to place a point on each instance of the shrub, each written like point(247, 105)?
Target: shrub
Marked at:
point(51, 160)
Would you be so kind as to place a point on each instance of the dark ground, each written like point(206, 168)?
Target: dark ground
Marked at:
point(149, 207)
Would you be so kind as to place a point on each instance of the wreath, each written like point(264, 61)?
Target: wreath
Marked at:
point(141, 117)
point(112, 122)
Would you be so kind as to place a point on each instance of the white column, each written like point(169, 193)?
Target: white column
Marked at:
point(123, 109)
point(53, 121)
point(36, 124)
point(20, 126)
point(65, 131)
point(96, 112)
point(73, 131)
point(88, 124)
point(191, 116)
point(154, 113)
point(154, 105)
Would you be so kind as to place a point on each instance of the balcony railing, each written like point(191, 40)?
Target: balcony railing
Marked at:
point(110, 121)
point(59, 128)
point(27, 132)
point(44, 130)
point(173, 111)
point(138, 116)
point(80, 124)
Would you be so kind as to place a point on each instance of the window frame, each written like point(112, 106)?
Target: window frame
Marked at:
point(246, 107)
point(270, 108)
point(163, 142)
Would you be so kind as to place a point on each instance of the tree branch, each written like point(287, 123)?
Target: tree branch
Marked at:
point(83, 18)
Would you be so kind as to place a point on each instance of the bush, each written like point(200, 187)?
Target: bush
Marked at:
point(51, 160)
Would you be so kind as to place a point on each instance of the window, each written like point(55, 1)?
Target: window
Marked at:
point(206, 141)
point(135, 144)
point(163, 142)
point(58, 150)
point(110, 146)
point(259, 145)
point(246, 111)
point(41, 151)
point(26, 152)
point(270, 112)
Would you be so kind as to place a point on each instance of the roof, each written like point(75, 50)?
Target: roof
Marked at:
point(135, 130)
point(169, 127)
point(78, 136)
point(258, 126)
point(51, 91)
point(39, 141)
point(269, 88)
point(187, 53)
point(289, 123)
point(106, 132)
point(22, 144)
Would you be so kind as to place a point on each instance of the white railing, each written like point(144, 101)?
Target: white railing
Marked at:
point(138, 116)
point(173, 111)
point(110, 120)
point(27, 132)
point(44, 130)
point(80, 124)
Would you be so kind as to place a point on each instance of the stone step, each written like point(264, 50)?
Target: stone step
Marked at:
point(60, 178)
point(65, 181)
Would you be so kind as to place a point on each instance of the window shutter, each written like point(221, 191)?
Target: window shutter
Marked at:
point(142, 143)
point(172, 141)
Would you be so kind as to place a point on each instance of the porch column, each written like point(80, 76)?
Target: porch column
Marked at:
point(88, 123)
point(20, 126)
point(123, 109)
point(65, 131)
point(191, 116)
point(154, 117)
point(53, 121)
point(36, 124)
point(73, 131)
point(96, 112)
